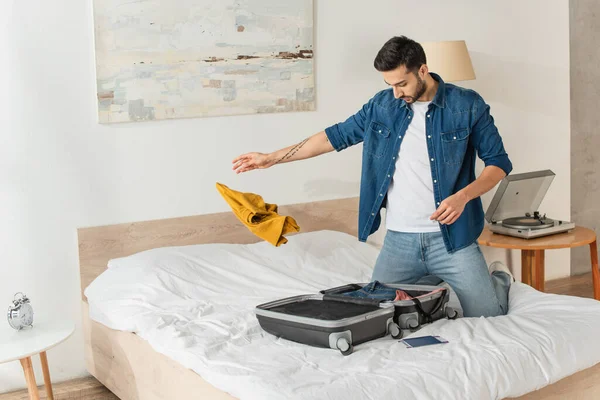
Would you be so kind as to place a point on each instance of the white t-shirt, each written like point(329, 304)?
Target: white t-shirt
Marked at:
point(410, 199)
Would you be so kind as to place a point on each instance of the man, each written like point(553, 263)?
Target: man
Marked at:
point(420, 139)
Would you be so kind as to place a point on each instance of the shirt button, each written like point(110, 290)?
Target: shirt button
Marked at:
point(409, 117)
point(438, 203)
point(393, 158)
point(432, 159)
point(429, 136)
point(434, 181)
point(428, 115)
point(374, 213)
point(381, 194)
point(400, 137)
point(454, 137)
point(380, 131)
point(389, 176)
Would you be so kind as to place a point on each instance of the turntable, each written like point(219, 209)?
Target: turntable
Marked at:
point(513, 210)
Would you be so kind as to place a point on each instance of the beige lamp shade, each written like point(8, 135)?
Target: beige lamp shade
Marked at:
point(450, 60)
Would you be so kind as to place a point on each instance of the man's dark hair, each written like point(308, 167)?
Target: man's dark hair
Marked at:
point(398, 51)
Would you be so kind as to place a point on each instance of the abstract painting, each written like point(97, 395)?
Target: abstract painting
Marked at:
point(164, 59)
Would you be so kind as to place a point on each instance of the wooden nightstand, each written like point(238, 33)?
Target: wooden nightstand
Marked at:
point(532, 252)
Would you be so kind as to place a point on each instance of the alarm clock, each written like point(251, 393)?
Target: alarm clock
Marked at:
point(20, 312)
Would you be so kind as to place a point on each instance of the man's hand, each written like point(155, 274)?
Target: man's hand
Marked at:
point(450, 209)
point(453, 206)
point(250, 161)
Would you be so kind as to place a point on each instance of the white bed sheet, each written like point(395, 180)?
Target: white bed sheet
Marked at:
point(195, 304)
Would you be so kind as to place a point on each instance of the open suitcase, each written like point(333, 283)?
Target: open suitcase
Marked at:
point(334, 320)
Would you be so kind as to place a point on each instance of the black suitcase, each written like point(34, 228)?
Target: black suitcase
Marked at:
point(317, 320)
point(333, 320)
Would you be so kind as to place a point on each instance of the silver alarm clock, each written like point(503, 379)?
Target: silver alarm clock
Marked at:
point(20, 313)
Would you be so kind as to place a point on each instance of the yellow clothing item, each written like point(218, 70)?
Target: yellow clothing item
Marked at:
point(260, 217)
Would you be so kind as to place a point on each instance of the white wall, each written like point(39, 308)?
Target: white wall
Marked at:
point(61, 170)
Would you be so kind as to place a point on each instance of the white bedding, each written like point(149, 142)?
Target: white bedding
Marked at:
point(195, 304)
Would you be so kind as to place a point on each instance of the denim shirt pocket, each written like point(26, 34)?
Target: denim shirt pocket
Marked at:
point(454, 145)
point(377, 139)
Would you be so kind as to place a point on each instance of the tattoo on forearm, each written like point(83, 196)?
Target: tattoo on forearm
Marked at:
point(292, 151)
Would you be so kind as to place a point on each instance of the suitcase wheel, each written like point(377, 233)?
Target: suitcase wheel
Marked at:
point(396, 331)
point(344, 347)
point(451, 313)
point(413, 324)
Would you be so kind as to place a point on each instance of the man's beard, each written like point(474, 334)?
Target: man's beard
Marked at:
point(421, 88)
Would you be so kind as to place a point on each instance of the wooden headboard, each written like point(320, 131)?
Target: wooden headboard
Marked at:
point(97, 245)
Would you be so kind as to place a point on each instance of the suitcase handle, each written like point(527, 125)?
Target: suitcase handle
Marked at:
point(352, 300)
point(341, 289)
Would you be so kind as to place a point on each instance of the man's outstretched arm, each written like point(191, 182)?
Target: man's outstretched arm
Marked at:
point(310, 147)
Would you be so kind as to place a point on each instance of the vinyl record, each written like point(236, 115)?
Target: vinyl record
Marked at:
point(528, 223)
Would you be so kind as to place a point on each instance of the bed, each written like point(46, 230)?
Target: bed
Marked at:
point(132, 368)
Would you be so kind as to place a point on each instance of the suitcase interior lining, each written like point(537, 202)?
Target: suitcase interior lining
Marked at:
point(324, 310)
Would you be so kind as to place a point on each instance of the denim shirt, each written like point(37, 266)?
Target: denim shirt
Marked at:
point(459, 127)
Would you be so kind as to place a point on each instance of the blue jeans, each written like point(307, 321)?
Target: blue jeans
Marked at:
point(407, 257)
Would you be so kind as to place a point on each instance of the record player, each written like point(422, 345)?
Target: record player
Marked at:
point(514, 208)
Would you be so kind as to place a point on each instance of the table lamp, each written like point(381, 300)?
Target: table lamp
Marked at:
point(450, 60)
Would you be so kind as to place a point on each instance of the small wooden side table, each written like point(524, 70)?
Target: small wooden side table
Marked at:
point(532, 252)
point(21, 345)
